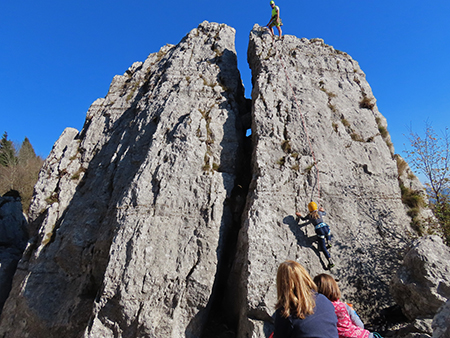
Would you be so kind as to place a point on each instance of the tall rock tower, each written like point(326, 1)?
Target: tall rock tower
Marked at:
point(132, 213)
point(155, 220)
point(317, 135)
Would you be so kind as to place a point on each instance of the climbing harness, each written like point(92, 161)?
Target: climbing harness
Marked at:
point(320, 225)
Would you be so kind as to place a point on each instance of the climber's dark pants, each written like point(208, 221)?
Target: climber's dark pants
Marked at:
point(322, 233)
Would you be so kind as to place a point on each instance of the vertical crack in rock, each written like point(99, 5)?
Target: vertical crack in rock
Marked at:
point(222, 320)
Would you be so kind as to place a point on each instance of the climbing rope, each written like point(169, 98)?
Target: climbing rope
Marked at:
point(303, 122)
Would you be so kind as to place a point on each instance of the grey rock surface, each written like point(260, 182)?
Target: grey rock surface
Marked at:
point(422, 284)
point(13, 239)
point(13, 225)
point(421, 326)
point(152, 222)
point(316, 136)
point(441, 322)
point(417, 335)
point(132, 213)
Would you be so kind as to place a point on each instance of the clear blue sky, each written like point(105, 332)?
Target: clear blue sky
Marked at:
point(57, 57)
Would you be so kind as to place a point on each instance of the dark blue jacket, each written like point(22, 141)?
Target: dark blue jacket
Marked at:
point(321, 324)
point(314, 221)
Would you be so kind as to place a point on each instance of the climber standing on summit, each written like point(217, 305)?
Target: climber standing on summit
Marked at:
point(275, 19)
point(320, 227)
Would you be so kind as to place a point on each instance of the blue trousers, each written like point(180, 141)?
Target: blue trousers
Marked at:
point(322, 233)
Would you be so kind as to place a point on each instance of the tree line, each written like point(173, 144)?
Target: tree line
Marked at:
point(19, 169)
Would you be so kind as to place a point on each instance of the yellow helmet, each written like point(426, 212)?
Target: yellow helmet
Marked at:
point(312, 206)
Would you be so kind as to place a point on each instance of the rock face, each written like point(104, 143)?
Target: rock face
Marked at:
point(317, 135)
point(441, 322)
point(422, 284)
point(132, 214)
point(152, 222)
point(13, 239)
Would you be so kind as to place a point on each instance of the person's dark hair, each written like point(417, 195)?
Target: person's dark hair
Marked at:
point(327, 286)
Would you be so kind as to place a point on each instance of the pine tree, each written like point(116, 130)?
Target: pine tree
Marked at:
point(7, 152)
point(26, 152)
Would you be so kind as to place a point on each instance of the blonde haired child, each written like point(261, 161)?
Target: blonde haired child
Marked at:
point(320, 227)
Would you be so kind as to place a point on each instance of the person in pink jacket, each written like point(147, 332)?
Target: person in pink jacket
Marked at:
point(347, 327)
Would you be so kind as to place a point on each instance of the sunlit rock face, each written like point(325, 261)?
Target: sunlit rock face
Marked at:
point(131, 215)
point(317, 135)
point(160, 218)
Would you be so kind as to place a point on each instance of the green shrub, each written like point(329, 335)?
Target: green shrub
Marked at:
point(442, 213)
point(415, 223)
point(332, 107)
point(335, 126)
point(77, 174)
point(366, 103)
point(383, 131)
point(401, 165)
point(54, 198)
point(356, 137)
point(286, 146)
point(411, 198)
point(414, 201)
point(345, 122)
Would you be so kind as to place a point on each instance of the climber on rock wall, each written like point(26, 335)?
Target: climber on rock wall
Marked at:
point(320, 227)
point(275, 19)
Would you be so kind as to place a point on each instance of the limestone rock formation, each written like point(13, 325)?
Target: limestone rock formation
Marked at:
point(13, 239)
point(132, 214)
point(422, 284)
point(441, 322)
point(152, 222)
point(317, 135)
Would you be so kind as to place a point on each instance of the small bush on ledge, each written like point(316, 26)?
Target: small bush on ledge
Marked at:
point(366, 103)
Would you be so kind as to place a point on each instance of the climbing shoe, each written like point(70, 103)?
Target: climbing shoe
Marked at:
point(329, 245)
point(330, 263)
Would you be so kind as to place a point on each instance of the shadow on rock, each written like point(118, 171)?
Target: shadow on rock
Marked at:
point(302, 237)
